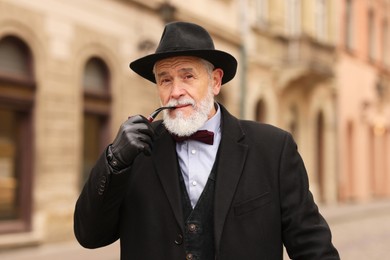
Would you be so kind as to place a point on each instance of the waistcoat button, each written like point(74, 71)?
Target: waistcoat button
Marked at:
point(192, 227)
point(189, 256)
point(179, 239)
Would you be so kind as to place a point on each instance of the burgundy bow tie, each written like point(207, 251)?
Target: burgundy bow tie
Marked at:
point(203, 136)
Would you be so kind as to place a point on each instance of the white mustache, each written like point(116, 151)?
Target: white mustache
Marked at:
point(183, 102)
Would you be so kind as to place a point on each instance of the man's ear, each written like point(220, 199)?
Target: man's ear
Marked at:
point(217, 80)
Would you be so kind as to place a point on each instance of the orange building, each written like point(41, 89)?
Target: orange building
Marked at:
point(363, 80)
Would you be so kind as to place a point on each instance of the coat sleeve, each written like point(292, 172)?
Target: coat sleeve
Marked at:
point(306, 235)
point(97, 211)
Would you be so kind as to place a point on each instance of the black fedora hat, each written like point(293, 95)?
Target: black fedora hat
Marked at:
point(186, 39)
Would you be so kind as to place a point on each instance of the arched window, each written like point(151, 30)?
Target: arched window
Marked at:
point(293, 122)
point(261, 112)
point(320, 164)
point(371, 35)
point(96, 77)
point(97, 108)
point(17, 91)
point(15, 60)
point(385, 43)
point(348, 24)
point(349, 186)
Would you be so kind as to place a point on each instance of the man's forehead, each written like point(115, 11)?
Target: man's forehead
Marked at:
point(178, 62)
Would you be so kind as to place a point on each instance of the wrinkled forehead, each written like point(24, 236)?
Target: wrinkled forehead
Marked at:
point(178, 63)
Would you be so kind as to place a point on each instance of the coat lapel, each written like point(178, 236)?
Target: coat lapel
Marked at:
point(232, 156)
point(165, 161)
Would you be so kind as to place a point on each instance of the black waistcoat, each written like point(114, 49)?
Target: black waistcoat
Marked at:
point(199, 222)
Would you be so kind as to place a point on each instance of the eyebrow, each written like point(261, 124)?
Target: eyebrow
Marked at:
point(186, 70)
point(181, 70)
point(162, 74)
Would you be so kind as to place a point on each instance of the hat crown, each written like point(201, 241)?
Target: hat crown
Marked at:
point(186, 39)
point(181, 36)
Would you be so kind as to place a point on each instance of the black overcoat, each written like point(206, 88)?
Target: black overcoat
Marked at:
point(262, 200)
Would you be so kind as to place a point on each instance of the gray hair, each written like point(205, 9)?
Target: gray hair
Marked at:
point(208, 65)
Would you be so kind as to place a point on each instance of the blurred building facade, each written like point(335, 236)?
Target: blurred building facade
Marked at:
point(363, 87)
point(317, 68)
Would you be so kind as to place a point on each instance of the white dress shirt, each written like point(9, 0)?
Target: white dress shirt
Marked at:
point(196, 159)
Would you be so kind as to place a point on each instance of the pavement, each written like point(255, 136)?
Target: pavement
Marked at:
point(360, 231)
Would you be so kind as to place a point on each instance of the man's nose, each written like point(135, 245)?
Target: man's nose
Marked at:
point(177, 89)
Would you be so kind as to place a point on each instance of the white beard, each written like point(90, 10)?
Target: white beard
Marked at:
point(185, 126)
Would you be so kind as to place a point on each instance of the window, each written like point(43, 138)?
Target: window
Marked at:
point(293, 17)
point(348, 192)
point(261, 113)
point(371, 35)
point(8, 159)
point(96, 76)
point(320, 156)
point(14, 59)
point(16, 103)
point(321, 19)
point(261, 13)
point(348, 24)
point(385, 44)
point(293, 121)
point(97, 104)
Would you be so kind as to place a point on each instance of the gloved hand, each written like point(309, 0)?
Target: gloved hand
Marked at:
point(134, 136)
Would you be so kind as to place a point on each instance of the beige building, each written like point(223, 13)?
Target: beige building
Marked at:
point(65, 87)
point(291, 81)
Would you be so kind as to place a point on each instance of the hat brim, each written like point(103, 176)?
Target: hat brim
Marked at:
point(225, 61)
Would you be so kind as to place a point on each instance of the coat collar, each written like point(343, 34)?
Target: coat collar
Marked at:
point(232, 155)
point(165, 162)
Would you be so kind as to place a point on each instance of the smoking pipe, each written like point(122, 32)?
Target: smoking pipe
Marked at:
point(153, 115)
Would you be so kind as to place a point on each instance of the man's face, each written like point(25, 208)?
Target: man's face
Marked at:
point(186, 83)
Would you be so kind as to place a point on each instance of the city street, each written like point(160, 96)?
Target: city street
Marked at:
point(359, 232)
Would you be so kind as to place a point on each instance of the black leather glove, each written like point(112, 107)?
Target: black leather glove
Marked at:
point(134, 136)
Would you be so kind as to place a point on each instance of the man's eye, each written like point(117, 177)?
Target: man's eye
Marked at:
point(165, 81)
point(189, 76)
